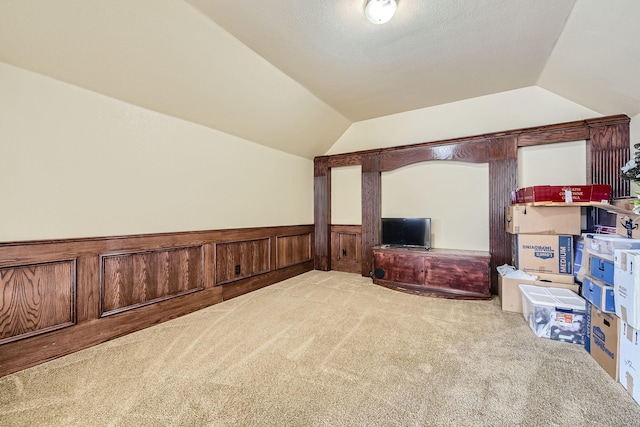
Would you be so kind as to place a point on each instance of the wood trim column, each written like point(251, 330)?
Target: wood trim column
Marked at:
point(371, 209)
point(322, 213)
point(503, 178)
point(608, 149)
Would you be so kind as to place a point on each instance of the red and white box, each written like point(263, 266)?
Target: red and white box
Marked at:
point(563, 194)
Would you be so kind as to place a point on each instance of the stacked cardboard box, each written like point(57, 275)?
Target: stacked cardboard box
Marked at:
point(603, 337)
point(606, 266)
point(542, 247)
point(543, 238)
point(626, 295)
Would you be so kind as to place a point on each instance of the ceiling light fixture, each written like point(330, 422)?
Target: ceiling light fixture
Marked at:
point(380, 11)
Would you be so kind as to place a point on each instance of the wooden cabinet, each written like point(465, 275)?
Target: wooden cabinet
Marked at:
point(448, 273)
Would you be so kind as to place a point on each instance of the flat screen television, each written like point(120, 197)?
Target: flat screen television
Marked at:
point(410, 232)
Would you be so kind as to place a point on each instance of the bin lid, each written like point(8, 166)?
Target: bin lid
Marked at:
point(553, 297)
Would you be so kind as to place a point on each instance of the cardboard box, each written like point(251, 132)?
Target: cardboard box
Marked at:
point(557, 194)
point(624, 203)
point(629, 366)
point(581, 264)
point(555, 278)
point(601, 269)
point(628, 226)
point(587, 326)
point(602, 339)
point(600, 193)
point(570, 194)
point(557, 314)
point(543, 253)
point(542, 219)
point(626, 278)
point(599, 294)
point(511, 298)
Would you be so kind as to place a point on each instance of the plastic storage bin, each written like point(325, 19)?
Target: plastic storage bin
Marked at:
point(554, 313)
point(604, 245)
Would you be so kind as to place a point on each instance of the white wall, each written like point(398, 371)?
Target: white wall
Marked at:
point(458, 206)
point(454, 194)
point(346, 185)
point(553, 164)
point(78, 164)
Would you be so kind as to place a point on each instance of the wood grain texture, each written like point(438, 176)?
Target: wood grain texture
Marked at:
point(339, 160)
point(371, 210)
point(250, 284)
point(322, 213)
point(135, 279)
point(88, 295)
point(503, 178)
point(446, 273)
point(292, 250)
point(505, 148)
point(36, 299)
point(28, 352)
point(78, 262)
point(473, 151)
point(346, 244)
point(459, 274)
point(609, 149)
point(535, 135)
point(552, 136)
point(238, 260)
point(402, 267)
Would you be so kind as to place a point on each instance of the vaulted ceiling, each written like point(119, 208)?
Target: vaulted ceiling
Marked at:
point(294, 74)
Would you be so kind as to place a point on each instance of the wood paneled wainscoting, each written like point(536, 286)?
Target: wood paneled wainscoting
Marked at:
point(60, 296)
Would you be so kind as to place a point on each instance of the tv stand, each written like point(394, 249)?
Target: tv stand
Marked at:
point(445, 273)
point(404, 248)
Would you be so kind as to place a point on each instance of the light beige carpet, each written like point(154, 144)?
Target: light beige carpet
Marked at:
point(324, 349)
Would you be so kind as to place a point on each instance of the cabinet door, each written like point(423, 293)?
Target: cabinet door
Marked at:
point(399, 268)
point(347, 247)
point(464, 274)
point(345, 251)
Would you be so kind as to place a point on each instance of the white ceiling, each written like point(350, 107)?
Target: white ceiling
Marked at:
point(431, 52)
point(294, 74)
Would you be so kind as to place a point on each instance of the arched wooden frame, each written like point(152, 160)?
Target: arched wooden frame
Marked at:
point(608, 149)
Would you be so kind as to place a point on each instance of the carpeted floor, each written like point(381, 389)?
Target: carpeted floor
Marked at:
point(324, 349)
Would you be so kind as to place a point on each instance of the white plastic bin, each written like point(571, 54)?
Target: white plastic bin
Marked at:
point(554, 313)
point(604, 245)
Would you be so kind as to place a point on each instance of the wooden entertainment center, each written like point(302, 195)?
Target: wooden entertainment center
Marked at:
point(446, 273)
point(607, 150)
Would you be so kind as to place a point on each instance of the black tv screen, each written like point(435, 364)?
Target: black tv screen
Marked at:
point(406, 232)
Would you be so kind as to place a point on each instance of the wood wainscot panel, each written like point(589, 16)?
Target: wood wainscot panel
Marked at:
point(291, 250)
point(239, 260)
point(346, 245)
point(243, 286)
point(36, 299)
point(132, 280)
point(64, 295)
